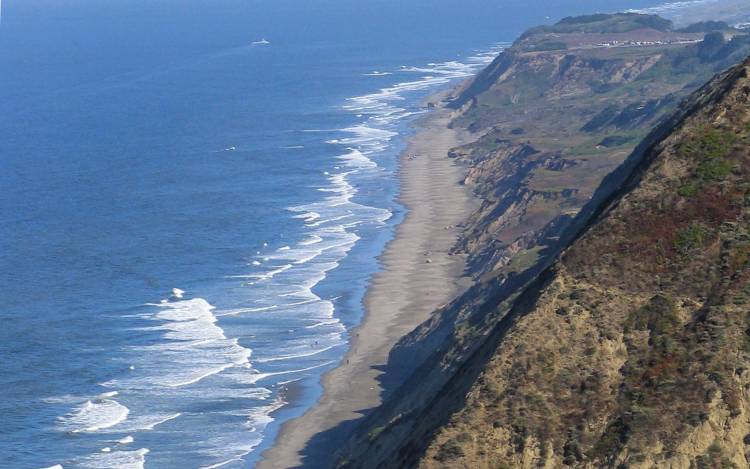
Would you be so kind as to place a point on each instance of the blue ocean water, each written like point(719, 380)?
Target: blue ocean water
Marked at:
point(193, 196)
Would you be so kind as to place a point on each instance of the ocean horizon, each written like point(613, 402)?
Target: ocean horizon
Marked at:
point(191, 215)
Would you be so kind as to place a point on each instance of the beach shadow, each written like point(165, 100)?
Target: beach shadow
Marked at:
point(322, 448)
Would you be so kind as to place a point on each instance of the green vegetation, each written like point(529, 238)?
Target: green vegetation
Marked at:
point(691, 237)
point(713, 169)
point(524, 259)
point(705, 26)
point(659, 317)
point(714, 459)
point(712, 147)
point(614, 437)
point(689, 189)
point(714, 55)
point(615, 140)
point(602, 118)
point(375, 432)
point(709, 142)
point(548, 45)
point(450, 450)
point(604, 23)
point(619, 22)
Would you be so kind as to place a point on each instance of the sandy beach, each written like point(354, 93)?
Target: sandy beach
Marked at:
point(418, 276)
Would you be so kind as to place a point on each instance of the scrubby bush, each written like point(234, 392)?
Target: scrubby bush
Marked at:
point(691, 237)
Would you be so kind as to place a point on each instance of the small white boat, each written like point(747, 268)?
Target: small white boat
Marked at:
point(262, 42)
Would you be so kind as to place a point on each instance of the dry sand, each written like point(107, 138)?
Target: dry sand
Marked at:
point(418, 276)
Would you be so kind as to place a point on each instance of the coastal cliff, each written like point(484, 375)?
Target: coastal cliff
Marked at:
point(538, 156)
point(631, 350)
point(606, 324)
point(553, 123)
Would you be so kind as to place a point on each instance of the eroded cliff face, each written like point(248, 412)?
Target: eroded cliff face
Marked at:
point(629, 349)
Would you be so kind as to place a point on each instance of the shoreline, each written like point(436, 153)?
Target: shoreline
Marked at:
point(418, 275)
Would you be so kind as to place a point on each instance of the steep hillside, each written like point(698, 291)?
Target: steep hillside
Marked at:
point(562, 108)
point(629, 349)
point(540, 162)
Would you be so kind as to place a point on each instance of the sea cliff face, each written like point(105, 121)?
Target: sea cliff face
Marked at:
point(597, 333)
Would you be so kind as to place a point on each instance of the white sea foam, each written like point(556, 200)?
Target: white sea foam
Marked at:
point(314, 239)
point(92, 416)
point(265, 276)
point(235, 312)
point(298, 355)
point(140, 423)
point(332, 219)
point(262, 309)
point(323, 323)
point(195, 377)
point(116, 459)
point(151, 421)
point(222, 463)
point(356, 159)
point(261, 416)
point(185, 348)
point(308, 216)
point(254, 378)
point(672, 7)
point(196, 348)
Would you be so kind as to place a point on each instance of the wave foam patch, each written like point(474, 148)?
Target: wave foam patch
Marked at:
point(355, 159)
point(670, 8)
point(192, 348)
point(92, 416)
point(116, 459)
point(304, 352)
point(254, 378)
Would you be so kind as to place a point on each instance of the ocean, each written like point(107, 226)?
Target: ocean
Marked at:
point(194, 197)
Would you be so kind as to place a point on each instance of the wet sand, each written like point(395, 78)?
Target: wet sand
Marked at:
point(418, 276)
